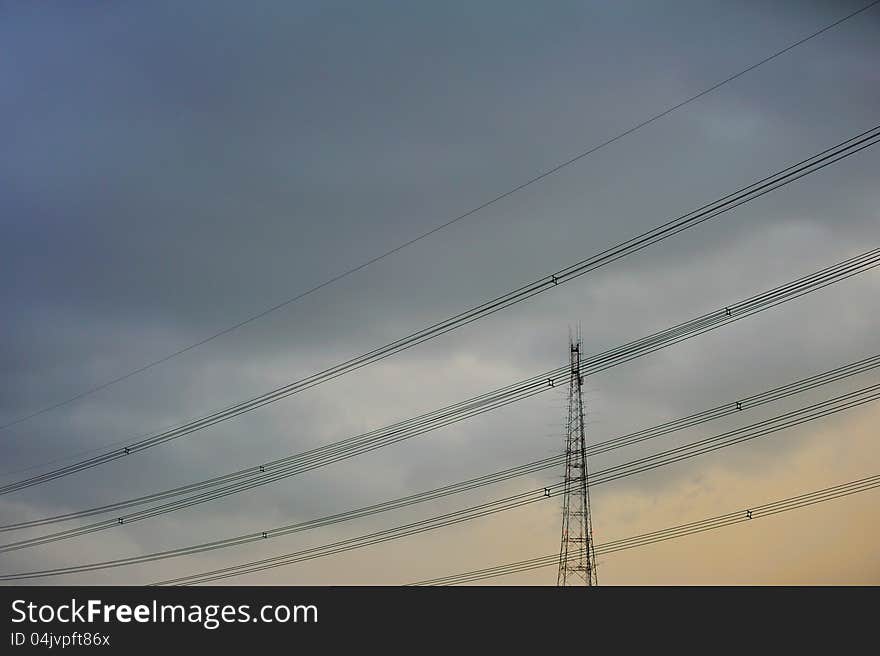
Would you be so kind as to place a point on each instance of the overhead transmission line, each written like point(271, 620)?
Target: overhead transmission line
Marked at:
point(616, 472)
point(844, 402)
point(742, 516)
point(755, 190)
point(695, 419)
point(442, 226)
point(263, 474)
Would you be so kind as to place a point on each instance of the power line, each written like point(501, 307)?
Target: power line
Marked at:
point(672, 533)
point(259, 475)
point(667, 428)
point(662, 458)
point(709, 211)
point(833, 406)
point(695, 419)
point(440, 227)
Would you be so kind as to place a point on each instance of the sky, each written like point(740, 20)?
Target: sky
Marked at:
point(170, 169)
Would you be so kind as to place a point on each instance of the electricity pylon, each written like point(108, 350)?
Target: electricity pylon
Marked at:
point(577, 555)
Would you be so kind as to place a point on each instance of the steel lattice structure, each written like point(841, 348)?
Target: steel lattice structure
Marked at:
point(577, 556)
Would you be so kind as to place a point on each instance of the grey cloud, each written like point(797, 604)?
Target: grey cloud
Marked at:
point(164, 178)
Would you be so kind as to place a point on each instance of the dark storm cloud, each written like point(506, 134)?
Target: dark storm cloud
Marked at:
point(170, 169)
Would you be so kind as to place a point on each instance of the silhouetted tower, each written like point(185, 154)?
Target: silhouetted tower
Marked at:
point(577, 555)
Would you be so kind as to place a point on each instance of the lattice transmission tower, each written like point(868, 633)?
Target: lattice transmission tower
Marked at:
point(577, 555)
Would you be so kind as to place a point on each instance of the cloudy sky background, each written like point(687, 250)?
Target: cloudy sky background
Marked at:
point(169, 169)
